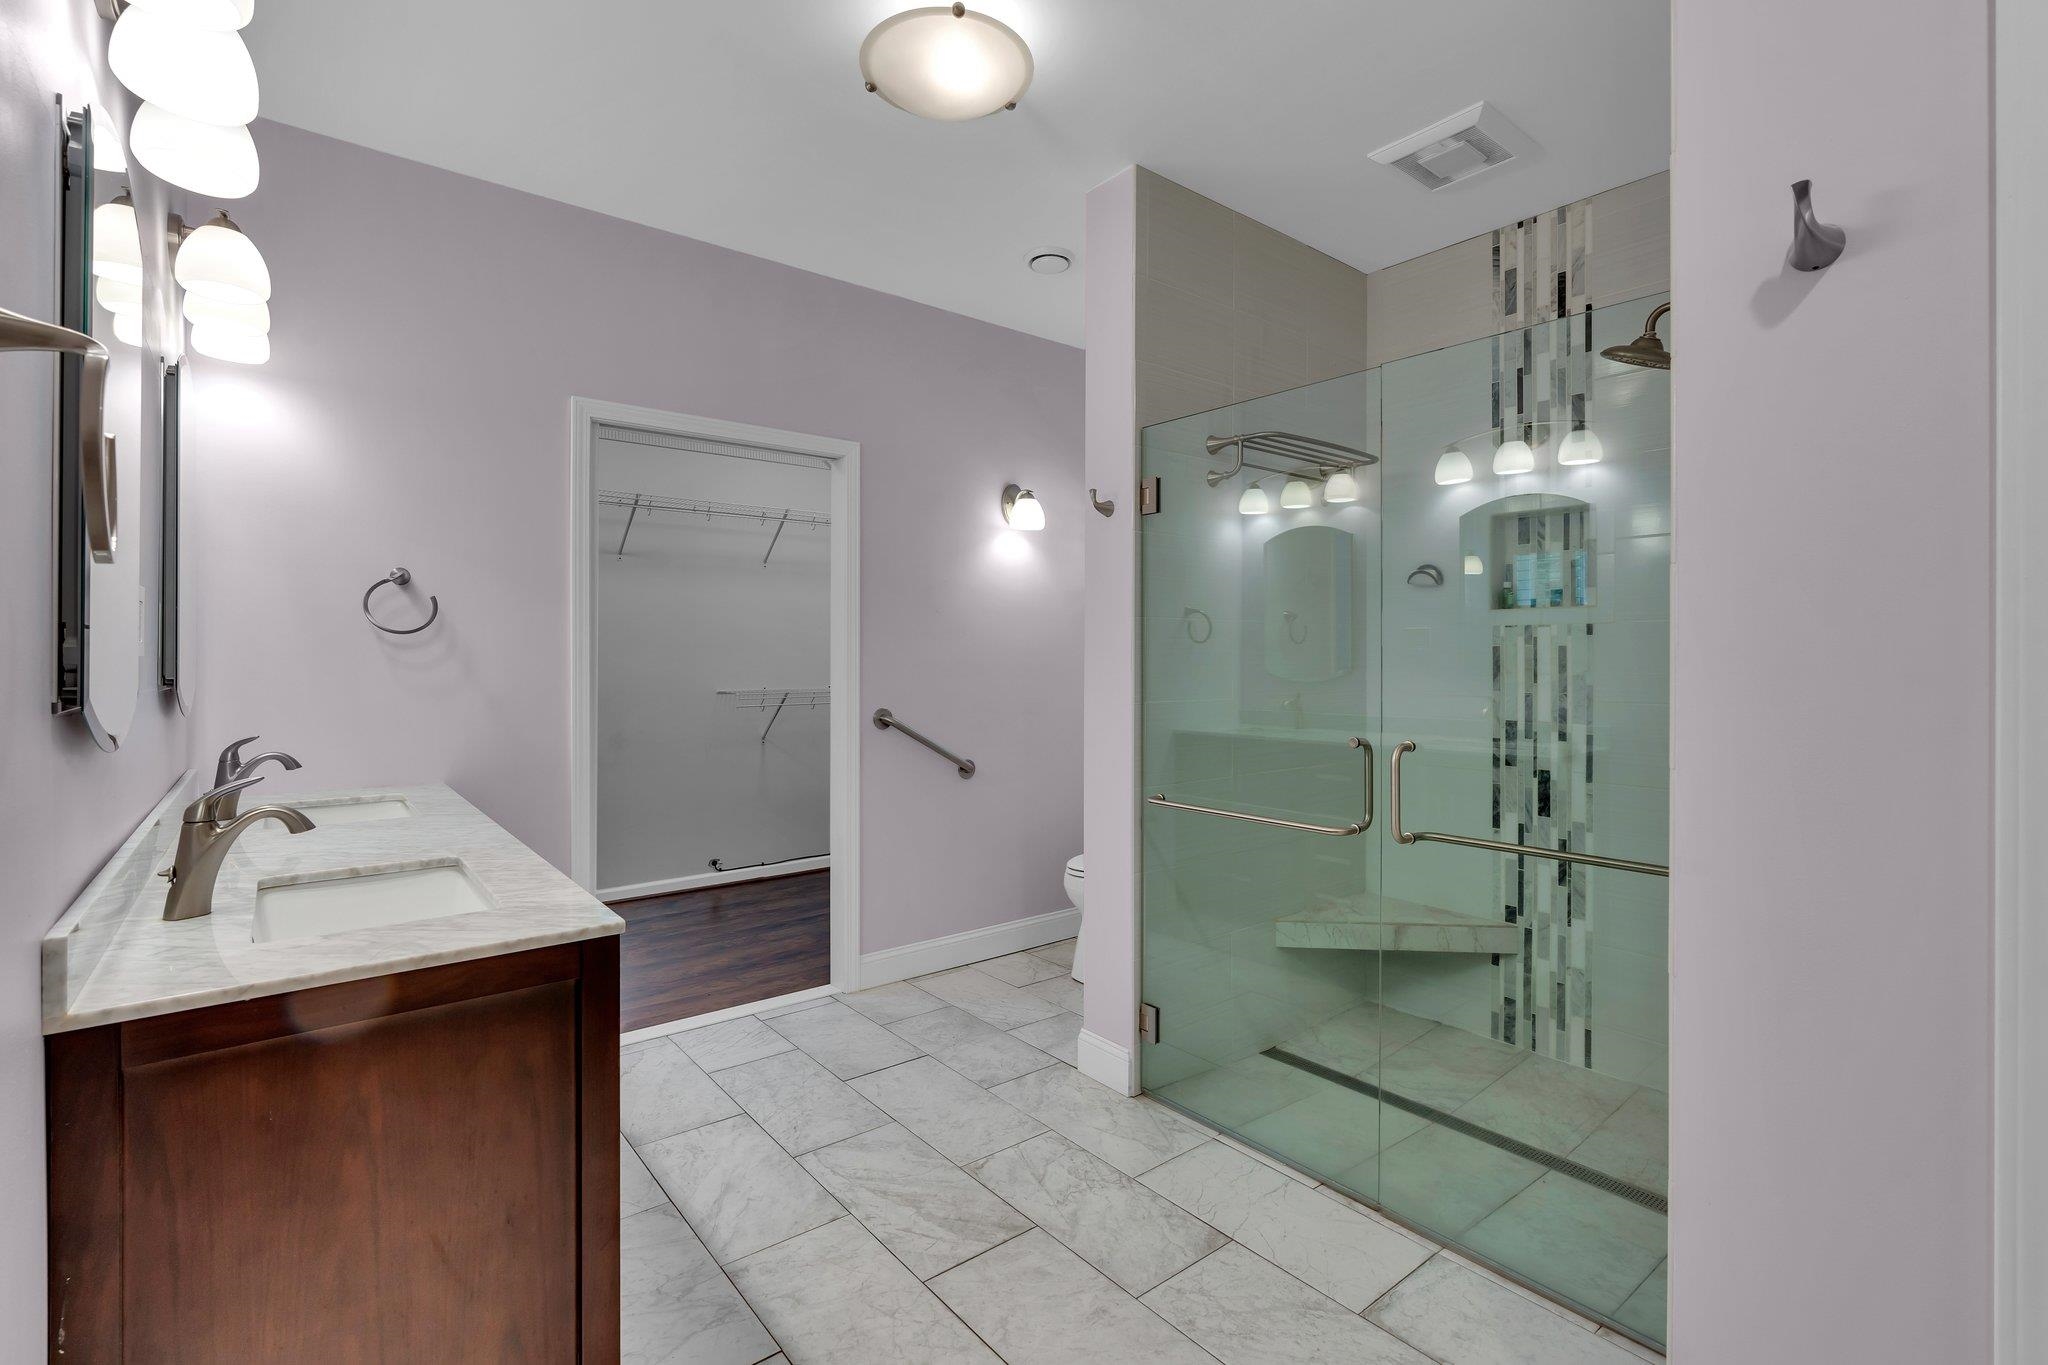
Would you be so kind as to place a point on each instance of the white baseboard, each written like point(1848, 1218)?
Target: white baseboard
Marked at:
point(697, 881)
point(1103, 1061)
point(641, 1035)
point(957, 950)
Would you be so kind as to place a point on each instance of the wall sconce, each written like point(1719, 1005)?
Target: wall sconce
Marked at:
point(1514, 457)
point(1453, 466)
point(186, 61)
point(1296, 494)
point(1340, 488)
point(1580, 446)
point(227, 290)
point(1253, 502)
point(1022, 510)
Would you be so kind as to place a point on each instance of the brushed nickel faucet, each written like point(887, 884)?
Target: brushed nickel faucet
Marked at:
point(205, 838)
point(231, 767)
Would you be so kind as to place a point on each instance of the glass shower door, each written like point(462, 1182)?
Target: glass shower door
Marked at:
point(1257, 676)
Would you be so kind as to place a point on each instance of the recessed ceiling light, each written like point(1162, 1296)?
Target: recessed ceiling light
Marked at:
point(941, 62)
point(1049, 262)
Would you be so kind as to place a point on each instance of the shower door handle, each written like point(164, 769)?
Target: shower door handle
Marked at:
point(1335, 831)
point(1403, 835)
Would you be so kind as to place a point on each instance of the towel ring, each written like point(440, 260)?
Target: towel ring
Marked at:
point(399, 578)
point(1187, 617)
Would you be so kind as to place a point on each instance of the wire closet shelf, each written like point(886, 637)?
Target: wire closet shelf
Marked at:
point(781, 518)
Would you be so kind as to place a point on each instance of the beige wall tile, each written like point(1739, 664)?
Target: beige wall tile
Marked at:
point(1629, 236)
point(1164, 394)
point(1268, 357)
point(1184, 240)
point(1186, 332)
point(1434, 300)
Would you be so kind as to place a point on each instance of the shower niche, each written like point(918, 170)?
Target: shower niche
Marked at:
point(1531, 553)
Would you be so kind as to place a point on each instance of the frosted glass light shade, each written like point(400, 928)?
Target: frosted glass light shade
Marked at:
point(118, 296)
point(1453, 466)
point(128, 328)
point(1474, 566)
point(108, 158)
point(1253, 502)
point(1297, 495)
point(198, 73)
point(942, 62)
point(224, 15)
point(1513, 457)
point(1341, 487)
point(243, 348)
point(224, 315)
point(1580, 447)
point(116, 245)
point(1024, 512)
point(219, 261)
point(206, 158)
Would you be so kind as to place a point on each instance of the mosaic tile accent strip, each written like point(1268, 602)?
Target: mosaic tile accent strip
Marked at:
point(1542, 776)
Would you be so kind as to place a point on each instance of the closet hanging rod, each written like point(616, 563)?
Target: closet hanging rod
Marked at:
point(636, 503)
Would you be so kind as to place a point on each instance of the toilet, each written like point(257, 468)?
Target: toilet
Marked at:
point(1077, 892)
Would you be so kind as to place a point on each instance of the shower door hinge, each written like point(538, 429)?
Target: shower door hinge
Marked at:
point(1148, 1023)
point(1148, 496)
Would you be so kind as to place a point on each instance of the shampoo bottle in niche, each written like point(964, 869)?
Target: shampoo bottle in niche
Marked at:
point(1507, 587)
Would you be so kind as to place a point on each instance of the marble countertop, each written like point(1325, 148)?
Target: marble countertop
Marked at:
point(113, 956)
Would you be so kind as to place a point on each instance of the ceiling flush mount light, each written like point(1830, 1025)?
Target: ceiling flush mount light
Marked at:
point(942, 62)
point(1049, 262)
point(1453, 466)
point(206, 158)
point(1580, 447)
point(220, 262)
point(1253, 502)
point(1340, 488)
point(1514, 457)
point(1297, 495)
point(197, 73)
point(1020, 508)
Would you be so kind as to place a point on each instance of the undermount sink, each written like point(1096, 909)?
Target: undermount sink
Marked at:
point(352, 810)
point(342, 901)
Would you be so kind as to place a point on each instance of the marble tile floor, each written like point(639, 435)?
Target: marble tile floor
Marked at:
point(917, 1173)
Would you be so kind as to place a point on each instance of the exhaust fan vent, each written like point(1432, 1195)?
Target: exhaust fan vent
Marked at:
point(1450, 151)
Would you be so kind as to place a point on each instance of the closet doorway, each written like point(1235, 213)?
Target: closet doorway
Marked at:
point(715, 708)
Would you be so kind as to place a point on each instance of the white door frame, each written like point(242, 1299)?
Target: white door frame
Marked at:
point(584, 416)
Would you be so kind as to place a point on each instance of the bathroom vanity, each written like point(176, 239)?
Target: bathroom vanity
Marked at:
point(366, 1109)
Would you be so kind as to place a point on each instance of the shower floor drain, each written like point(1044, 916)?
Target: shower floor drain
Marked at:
point(1599, 1180)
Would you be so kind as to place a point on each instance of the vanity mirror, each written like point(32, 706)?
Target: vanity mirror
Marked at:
point(171, 676)
point(1307, 612)
point(106, 281)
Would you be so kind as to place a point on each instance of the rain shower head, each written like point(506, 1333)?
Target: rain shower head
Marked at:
point(1646, 351)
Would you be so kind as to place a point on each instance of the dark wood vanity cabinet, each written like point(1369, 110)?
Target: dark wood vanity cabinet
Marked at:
point(421, 1167)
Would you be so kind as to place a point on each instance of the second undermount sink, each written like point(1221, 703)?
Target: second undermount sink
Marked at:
point(343, 901)
point(352, 810)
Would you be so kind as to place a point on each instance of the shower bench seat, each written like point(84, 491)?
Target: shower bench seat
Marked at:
point(1369, 923)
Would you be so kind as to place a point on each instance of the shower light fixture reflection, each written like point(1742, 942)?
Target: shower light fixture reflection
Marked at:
point(1580, 447)
point(1474, 566)
point(1021, 507)
point(1453, 466)
point(128, 328)
point(1340, 488)
point(118, 296)
point(1513, 457)
point(1297, 495)
point(1253, 502)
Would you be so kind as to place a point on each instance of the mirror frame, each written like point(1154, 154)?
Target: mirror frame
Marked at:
point(167, 674)
point(70, 685)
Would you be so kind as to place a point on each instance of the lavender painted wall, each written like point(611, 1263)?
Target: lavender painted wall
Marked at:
point(1831, 899)
point(64, 805)
point(429, 332)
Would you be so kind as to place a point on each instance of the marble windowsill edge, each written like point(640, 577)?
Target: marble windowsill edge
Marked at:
point(143, 967)
point(73, 945)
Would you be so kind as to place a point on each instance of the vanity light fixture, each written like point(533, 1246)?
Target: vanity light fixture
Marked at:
point(128, 328)
point(1580, 446)
point(194, 71)
point(1453, 466)
point(227, 343)
point(1297, 495)
point(107, 156)
point(223, 315)
point(1253, 502)
point(1021, 508)
point(225, 15)
point(116, 244)
point(941, 62)
point(206, 158)
point(118, 296)
point(1340, 488)
point(1514, 457)
point(218, 260)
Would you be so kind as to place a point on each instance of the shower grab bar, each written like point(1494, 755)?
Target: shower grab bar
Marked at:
point(1556, 855)
point(885, 719)
point(1335, 831)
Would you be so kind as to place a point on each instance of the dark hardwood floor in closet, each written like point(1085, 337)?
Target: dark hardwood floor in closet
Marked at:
point(691, 952)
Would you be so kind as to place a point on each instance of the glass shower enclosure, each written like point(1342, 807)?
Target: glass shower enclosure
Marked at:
point(1404, 712)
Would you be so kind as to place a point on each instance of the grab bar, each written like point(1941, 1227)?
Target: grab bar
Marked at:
point(885, 719)
point(1335, 831)
point(1556, 855)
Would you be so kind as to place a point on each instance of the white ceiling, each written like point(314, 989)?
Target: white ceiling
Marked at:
point(743, 122)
